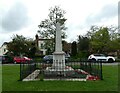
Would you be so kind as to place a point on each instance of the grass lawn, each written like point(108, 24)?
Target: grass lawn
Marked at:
point(11, 76)
point(0, 77)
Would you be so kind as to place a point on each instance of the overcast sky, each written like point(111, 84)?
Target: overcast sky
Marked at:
point(23, 16)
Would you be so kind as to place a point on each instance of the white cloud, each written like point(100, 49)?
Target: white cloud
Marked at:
point(16, 18)
point(80, 15)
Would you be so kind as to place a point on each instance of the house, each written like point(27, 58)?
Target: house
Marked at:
point(3, 48)
point(40, 45)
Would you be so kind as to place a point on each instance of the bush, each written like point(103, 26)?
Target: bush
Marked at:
point(83, 54)
point(117, 60)
point(80, 56)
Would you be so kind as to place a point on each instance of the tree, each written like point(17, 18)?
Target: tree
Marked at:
point(100, 40)
point(114, 46)
point(83, 43)
point(20, 45)
point(104, 39)
point(32, 51)
point(47, 27)
point(74, 49)
point(83, 46)
point(66, 46)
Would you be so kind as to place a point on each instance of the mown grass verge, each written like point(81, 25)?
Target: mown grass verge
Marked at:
point(10, 82)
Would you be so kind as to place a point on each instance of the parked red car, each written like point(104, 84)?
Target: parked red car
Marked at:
point(23, 59)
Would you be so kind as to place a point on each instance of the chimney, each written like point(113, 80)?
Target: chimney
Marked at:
point(36, 39)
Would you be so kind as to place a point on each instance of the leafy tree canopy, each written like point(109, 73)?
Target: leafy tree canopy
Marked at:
point(47, 27)
point(103, 39)
point(20, 45)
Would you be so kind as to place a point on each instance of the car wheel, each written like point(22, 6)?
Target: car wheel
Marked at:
point(93, 59)
point(110, 60)
point(47, 61)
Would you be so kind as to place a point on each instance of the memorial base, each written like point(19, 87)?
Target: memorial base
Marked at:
point(58, 72)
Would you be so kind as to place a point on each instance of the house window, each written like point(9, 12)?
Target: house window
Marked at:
point(4, 50)
point(41, 52)
point(42, 46)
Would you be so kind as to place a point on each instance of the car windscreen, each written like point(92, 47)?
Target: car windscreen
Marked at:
point(99, 55)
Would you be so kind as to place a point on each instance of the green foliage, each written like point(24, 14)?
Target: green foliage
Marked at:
point(74, 49)
point(83, 54)
point(0, 78)
point(100, 40)
point(49, 45)
point(47, 27)
point(32, 51)
point(103, 39)
point(20, 45)
point(83, 46)
point(83, 43)
point(41, 76)
point(38, 60)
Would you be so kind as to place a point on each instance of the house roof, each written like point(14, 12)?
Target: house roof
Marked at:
point(5, 43)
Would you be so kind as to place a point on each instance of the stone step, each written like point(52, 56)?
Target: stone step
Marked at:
point(32, 76)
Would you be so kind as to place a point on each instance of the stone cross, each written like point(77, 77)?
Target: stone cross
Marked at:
point(58, 55)
point(58, 66)
point(58, 42)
